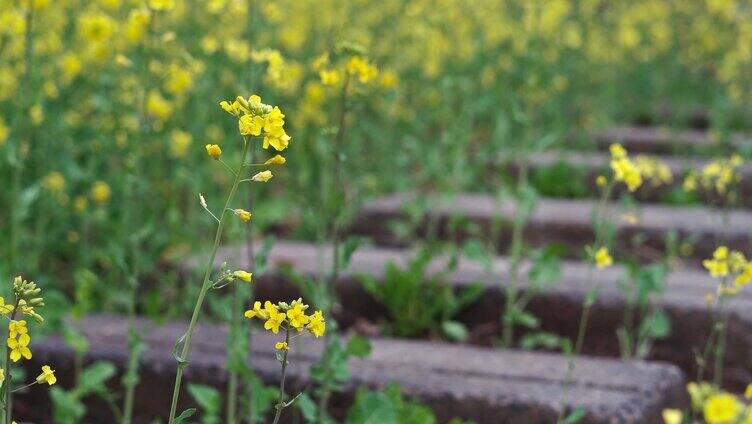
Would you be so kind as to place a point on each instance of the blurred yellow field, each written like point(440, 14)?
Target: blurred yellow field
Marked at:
point(366, 211)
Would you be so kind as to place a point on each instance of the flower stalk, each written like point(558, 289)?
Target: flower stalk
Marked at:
point(182, 359)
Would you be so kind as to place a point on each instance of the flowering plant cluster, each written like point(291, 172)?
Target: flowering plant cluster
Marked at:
point(715, 406)
point(731, 266)
point(27, 300)
point(288, 315)
point(719, 176)
point(625, 170)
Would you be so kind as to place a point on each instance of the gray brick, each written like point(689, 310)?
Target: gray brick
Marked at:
point(487, 385)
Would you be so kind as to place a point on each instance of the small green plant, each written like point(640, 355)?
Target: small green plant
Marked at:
point(417, 302)
point(330, 375)
point(643, 285)
point(68, 405)
point(388, 406)
point(559, 180)
point(209, 401)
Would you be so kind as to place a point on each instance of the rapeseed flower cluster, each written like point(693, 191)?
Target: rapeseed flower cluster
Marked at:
point(26, 301)
point(603, 258)
point(291, 315)
point(715, 406)
point(732, 267)
point(654, 170)
point(256, 118)
point(719, 176)
point(624, 169)
point(351, 61)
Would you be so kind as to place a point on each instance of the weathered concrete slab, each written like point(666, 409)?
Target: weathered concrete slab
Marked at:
point(665, 140)
point(588, 165)
point(485, 385)
point(641, 232)
point(558, 307)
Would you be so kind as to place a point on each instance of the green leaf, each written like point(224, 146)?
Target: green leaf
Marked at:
point(476, 251)
point(546, 267)
point(347, 249)
point(576, 416)
point(541, 339)
point(467, 296)
point(455, 331)
point(207, 397)
point(307, 407)
point(94, 377)
point(372, 408)
point(656, 325)
point(67, 407)
point(260, 398)
point(357, 346)
point(523, 318)
point(184, 415)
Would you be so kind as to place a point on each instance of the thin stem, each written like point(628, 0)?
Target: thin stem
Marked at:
point(232, 171)
point(333, 225)
point(18, 389)
point(590, 297)
point(520, 219)
point(205, 286)
point(281, 400)
point(6, 392)
point(337, 177)
point(720, 349)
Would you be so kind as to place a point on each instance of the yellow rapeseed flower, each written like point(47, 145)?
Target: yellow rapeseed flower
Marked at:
point(5, 308)
point(316, 324)
point(47, 376)
point(162, 4)
point(179, 142)
point(722, 408)
point(281, 346)
point(296, 315)
point(243, 275)
point(19, 348)
point(718, 266)
point(276, 318)
point(213, 150)
point(276, 160)
point(250, 125)
point(158, 106)
point(603, 258)
point(672, 416)
point(243, 214)
point(17, 328)
point(54, 182)
point(100, 192)
point(256, 312)
point(330, 77)
point(263, 176)
point(4, 131)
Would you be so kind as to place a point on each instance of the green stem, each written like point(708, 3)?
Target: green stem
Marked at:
point(281, 400)
point(590, 296)
point(232, 383)
point(720, 350)
point(334, 230)
point(6, 392)
point(520, 219)
point(205, 286)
